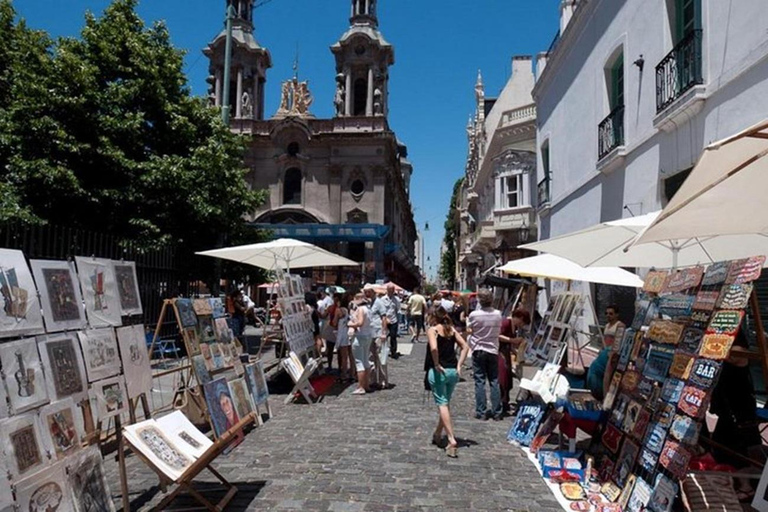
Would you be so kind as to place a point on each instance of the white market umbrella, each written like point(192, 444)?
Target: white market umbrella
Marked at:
point(721, 205)
point(554, 267)
point(284, 253)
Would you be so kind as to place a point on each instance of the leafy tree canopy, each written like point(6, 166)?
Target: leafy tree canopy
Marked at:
point(101, 132)
point(448, 258)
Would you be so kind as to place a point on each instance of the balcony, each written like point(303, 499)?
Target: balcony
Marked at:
point(526, 114)
point(543, 193)
point(679, 71)
point(610, 132)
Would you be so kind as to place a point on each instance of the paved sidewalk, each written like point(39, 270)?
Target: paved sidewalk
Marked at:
point(369, 453)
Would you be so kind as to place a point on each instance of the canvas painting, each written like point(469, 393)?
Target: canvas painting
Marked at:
point(201, 369)
point(223, 332)
point(100, 353)
point(23, 375)
point(184, 434)
point(257, 382)
point(152, 441)
point(205, 326)
point(205, 351)
point(202, 307)
point(217, 307)
point(240, 397)
point(62, 428)
point(60, 295)
point(20, 312)
point(46, 491)
point(97, 280)
point(110, 397)
point(136, 366)
point(127, 287)
point(193, 340)
point(90, 490)
point(221, 407)
point(63, 361)
point(186, 313)
point(22, 445)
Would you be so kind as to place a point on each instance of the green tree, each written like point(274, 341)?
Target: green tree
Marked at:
point(448, 258)
point(105, 135)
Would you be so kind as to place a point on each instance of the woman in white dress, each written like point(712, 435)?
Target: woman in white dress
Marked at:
point(360, 322)
point(343, 342)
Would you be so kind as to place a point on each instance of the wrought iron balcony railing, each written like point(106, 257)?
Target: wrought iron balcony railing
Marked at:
point(543, 192)
point(679, 71)
point(610, 132)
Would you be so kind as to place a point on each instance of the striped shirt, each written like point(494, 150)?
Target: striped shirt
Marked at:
point(486, 326)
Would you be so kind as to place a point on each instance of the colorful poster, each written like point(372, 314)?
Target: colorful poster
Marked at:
point(526, 423)
point(20, 314)
point(136, 365)
point(97, 280)
point(63, 362)
point(60, 295)
point(127, 287)
point(100, 353)
point(24, 376)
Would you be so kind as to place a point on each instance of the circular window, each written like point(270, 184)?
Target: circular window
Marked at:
point(357, 187)
point(293, 149)
point(360, 49)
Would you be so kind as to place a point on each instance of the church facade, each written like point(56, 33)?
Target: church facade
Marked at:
point(340, 183)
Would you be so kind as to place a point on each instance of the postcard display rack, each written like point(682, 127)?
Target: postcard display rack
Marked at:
point(69, 367)
point(557, 330)
point(669, 362)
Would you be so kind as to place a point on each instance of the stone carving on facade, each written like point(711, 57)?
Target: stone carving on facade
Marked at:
point(378, 104)
point(295, 99)
point(340, 98)
point(285, 99)
point(513, 160)
point(247, 108)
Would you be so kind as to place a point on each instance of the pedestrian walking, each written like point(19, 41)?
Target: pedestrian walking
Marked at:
point(379, 348)
point(391, 319)
point(360, 329)
point(514, 331)
point(343, 341)
point(326, 308)
point(443, 373)
point(417, 308)
point(484, 326)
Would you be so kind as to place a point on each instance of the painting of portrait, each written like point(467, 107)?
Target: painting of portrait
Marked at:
point(127, 287)
point(61, 431)
point(186, 314)
point(240, 397)
point(46, 491)
point(257, 383)
point(19, 309)
point(24, 376)
point(97, 281)
point(136, 365)
point(193, 340)
point(90, 490)
point(63, 361)
point(60, 295)
point(217, 307)
point(205, 326)
point(223, 332)
point(21, 442)
point(201, 369)
point(221, 406)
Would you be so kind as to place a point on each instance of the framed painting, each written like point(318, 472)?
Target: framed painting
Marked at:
point(22, 445)
point(217, 308)
point(62, 427)
point(24, 375)
point(221, 407)
point(137, 369)
point(90, 490)
point(60, 295)
point(97, 280)
point(127, 287)
point(257, 382)
point(184, 434)
point(100, 353)
point(526, 423)
point(205, 327)
point(110, 396)
point(46, 491)
point(63, 363)
point(20, 314)
point(185, 312)
point(201, 369)
point(640, 497)
point(202, 307)
point(625, 462)
point(223, 332)
point(716, 273)
point(154, 444)
point(240, 397)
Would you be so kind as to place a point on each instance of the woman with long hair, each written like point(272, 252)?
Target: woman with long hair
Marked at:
point(360, 322)
point(444, 371)
point(514, 331)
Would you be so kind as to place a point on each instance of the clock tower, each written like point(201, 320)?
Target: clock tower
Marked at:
point(363, 58)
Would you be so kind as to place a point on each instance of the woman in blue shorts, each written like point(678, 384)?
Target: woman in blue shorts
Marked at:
point(444, 371)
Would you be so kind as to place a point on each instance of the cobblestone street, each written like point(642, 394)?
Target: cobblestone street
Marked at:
point(369, 453)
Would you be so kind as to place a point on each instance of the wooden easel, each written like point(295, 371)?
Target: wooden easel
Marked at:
point(301, 382)
point(185, 482)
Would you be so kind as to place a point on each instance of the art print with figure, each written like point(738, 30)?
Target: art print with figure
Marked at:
point(529, 417)
point(127, 287)
point(136, 365)
point(110, 396)
point(22, 445)
point(61, 357)
point(24, 375)
point(185, 312)
point(100, 353)
point(60, 295)
point(19, 308)
point(62, 428)
point(46, 491)
point(97, 281)
point(88, 482)
point(240, 397)
point(257, 382)
point(221, 406)
point(217, 308)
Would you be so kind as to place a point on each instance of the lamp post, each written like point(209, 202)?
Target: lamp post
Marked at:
point(227, 64)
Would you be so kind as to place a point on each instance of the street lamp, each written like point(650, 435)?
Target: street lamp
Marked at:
point(227, 63)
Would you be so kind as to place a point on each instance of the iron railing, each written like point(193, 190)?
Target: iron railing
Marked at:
point(543, 192)
point(679, 71)
point(610, 132)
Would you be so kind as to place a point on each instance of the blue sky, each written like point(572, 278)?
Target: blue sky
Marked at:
point(439, 46)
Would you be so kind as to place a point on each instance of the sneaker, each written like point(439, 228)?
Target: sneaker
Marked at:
point(498, 417)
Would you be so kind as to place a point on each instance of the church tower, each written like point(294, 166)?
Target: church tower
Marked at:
point(363, 58)
point(249, 65)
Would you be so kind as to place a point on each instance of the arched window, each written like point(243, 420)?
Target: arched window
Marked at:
point(361, 96)
point(292, 186)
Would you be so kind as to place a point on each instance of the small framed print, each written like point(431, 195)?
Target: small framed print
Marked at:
point(648, 460)
point(691, 340)
point(111, 397)
point(706, 300)
point(658, 362)
point(681, 366)
point(641, 495)
point(664, 493)
point(185, 312)
point(746, 270)
point(735, 296)
point(685, 430)
point(611, 491)
point(625, 462)
point(700, 319)
point(202, 307)
point(693, 402)
point(704, 372)
point(612, 438)
point(631, 416)
point(675, 458)
point(655, 437)
point(626, 492)
point(665, 414)
point(22, 444)
point(641, 425)
point(716, 346)
point(725, 322)
point(716, 273)
point(613, 389)
point(193, 340)
point(684, 279)
point(619, 410)
point(676, 305)
point(645, 388)
point(672, 390)
point(666, 332)
point(630, 381)
point(655, 281)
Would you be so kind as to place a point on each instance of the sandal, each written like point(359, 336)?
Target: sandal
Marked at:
point(452, 451)
point(359, 391)
point(437, 440)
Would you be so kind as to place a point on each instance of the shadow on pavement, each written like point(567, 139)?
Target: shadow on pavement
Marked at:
point(212, 491)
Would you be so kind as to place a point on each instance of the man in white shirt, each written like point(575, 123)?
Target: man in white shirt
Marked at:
point(484, 326)
point(447, 302)
point(392, 307)
point(417, 306)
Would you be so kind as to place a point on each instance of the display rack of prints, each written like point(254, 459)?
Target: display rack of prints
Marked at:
point(60, 295)
point(97, 281)
point(296, 319)
point(555, 331)
point(20, 313)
